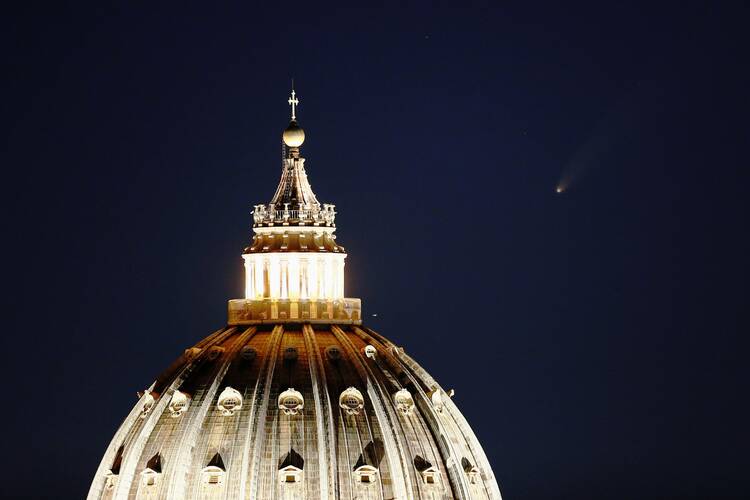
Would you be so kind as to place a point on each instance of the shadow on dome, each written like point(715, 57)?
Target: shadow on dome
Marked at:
point(294, 459)
point(216, 461)
point(421, 464)
point(155, 463)
point(372, 454)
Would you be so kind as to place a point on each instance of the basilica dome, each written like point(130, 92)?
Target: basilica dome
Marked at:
point(294, 398)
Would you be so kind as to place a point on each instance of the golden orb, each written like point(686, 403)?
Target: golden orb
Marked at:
point(294, 135)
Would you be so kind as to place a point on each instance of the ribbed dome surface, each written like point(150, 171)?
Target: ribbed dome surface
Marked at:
point(295, 411)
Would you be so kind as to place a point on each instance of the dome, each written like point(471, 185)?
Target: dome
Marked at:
point(294, 398)
point(318, 411)
point(294, 135)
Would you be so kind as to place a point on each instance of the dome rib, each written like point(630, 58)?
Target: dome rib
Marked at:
point(274, 344)
point(324, 424)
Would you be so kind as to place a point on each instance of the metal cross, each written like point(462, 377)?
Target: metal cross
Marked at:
point(293, 101)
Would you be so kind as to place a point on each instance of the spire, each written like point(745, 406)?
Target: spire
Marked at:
point(294, 202)
point(294, 135)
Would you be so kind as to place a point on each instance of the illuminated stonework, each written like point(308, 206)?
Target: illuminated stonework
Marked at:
point(294, 398)
point(230, 401)
point(179, 404)
point(404, 402)
point(366, 475)
point(148, 403)
point(295, 276)
point(351, 401)
point(291, 402)
point(249, 312)
point(294, 256)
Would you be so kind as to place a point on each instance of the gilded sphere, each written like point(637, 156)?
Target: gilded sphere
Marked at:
point(294, 135)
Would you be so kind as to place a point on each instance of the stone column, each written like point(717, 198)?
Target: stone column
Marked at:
point(284, 275)
point(249, 281)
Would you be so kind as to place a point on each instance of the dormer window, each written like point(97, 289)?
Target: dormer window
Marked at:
point(213, 473)
point(290, 354)
point(148, 403)
point(370, 351)
point(248, 353)
point(113, 474)
point(290, 475)
point(333, 353)
point(366, 474)
point(473, 475)
point(110, 480)
point(178, 404)
point(472, 471)
point(404, 402)
point(214, 352)
point(291, 402)
point(351, 401)
point(151, 474)
point(431, 476)
point(290, 469)
point(149, 477)
point(230, 400)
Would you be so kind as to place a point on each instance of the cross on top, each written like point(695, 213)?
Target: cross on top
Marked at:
point(293, 101)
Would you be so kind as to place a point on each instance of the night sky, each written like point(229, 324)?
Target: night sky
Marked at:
point(596, 339)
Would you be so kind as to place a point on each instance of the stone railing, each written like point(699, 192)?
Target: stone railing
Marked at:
point(249, 312)
point(317, 215)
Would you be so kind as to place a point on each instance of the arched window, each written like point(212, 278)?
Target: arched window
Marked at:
point(291, 402)
point(230, 400)
point(351, 401)
point(178, 404)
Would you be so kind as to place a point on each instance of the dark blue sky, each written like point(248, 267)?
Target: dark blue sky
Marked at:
point(596, 339)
